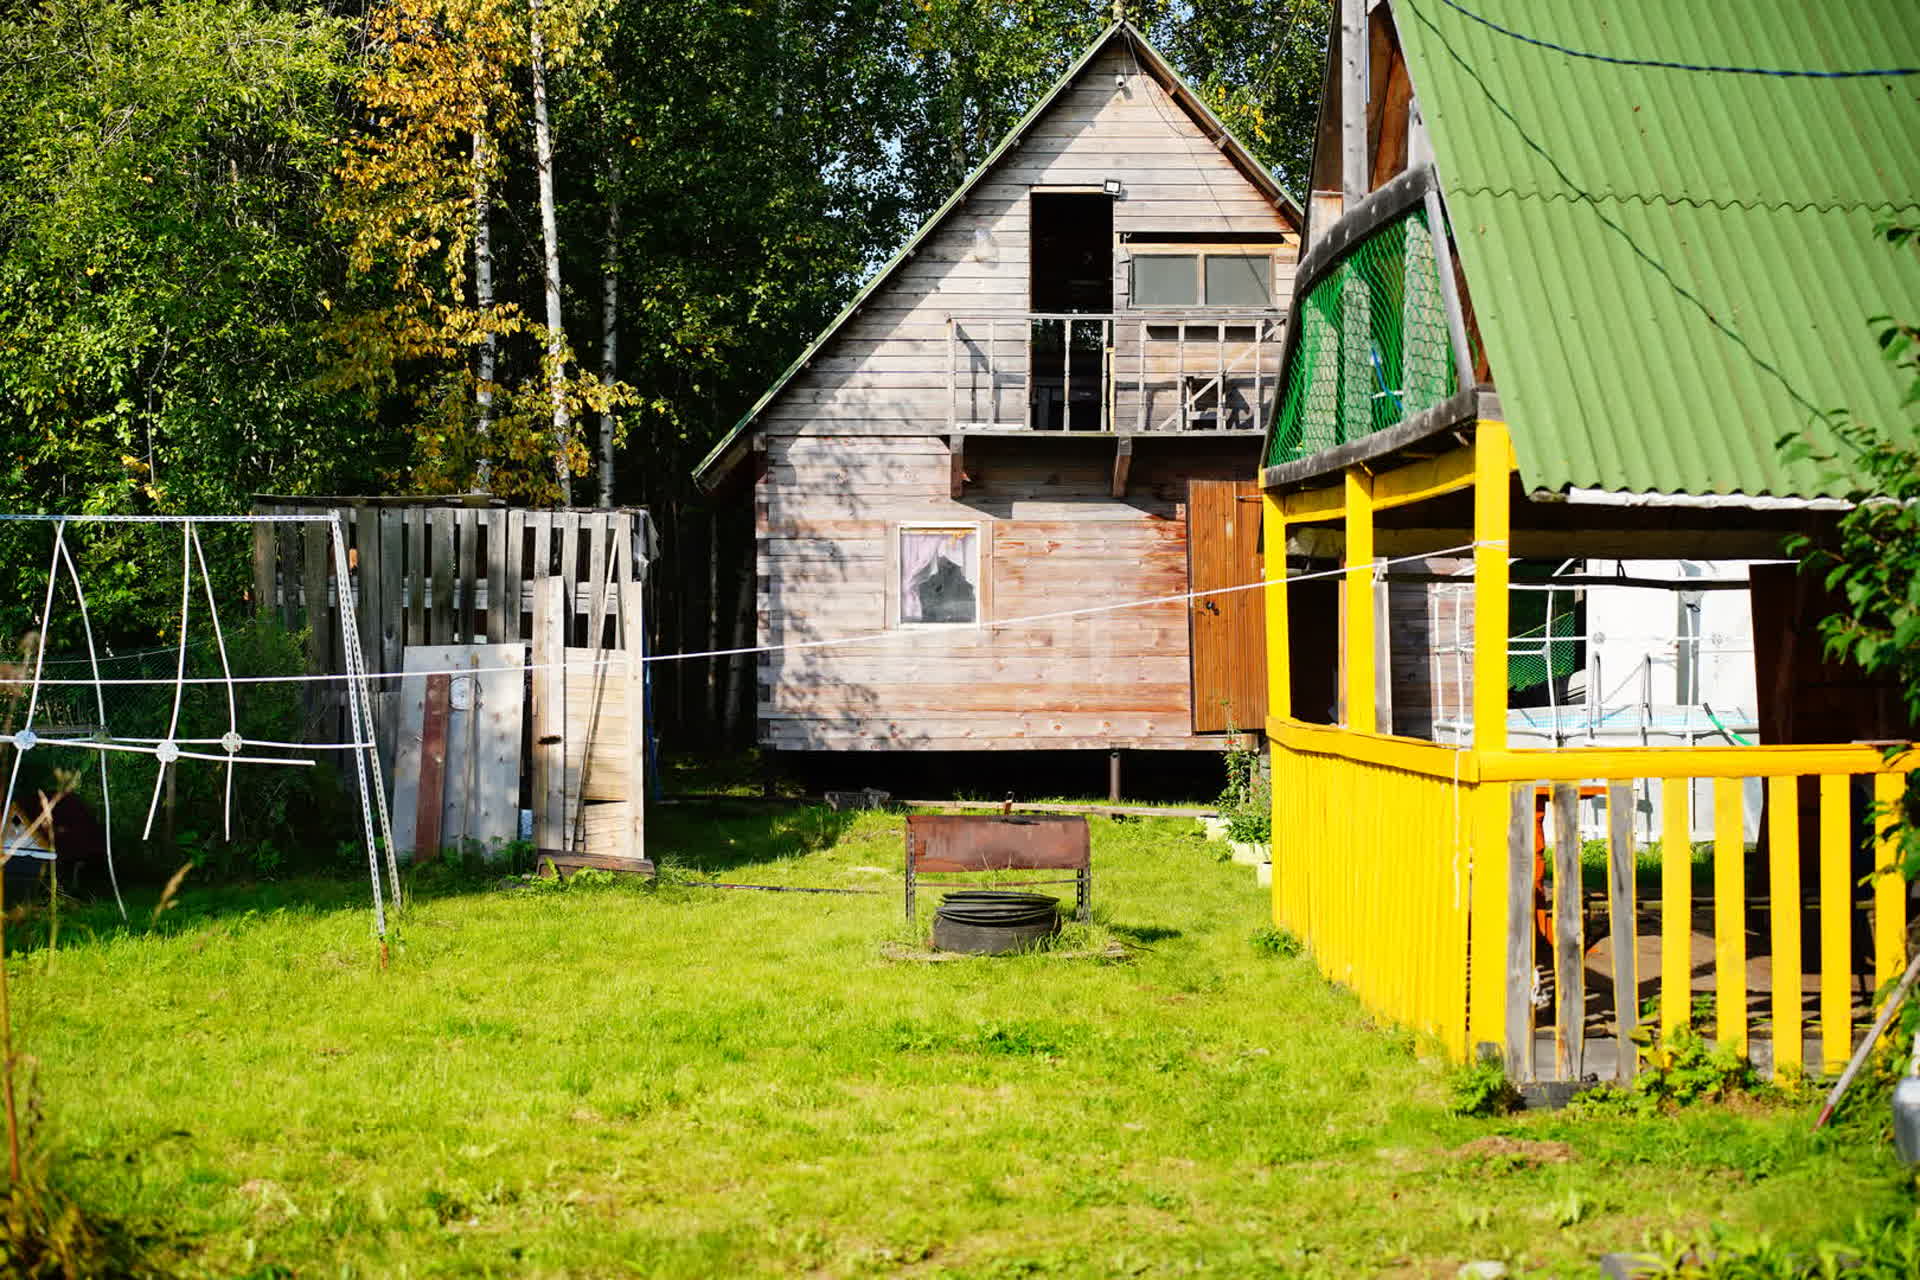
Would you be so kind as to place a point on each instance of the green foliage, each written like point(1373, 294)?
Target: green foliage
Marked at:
point(1246, 802)
point(1682, 1068)
point(284, 818)
point(1872, 1249)
point(162, 268)
point(1874, 566)
point(1271, 941)
point(46, 1231)
point(1482, 1089)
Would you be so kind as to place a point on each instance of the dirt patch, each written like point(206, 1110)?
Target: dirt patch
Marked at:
point(1517, 1151)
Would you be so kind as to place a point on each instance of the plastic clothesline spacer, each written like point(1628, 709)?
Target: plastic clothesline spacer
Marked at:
point(25, 739)
point(167, 751)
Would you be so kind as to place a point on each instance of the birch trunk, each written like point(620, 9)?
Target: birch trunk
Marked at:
point(483, 298)
point(550, 237)
point(609, 344)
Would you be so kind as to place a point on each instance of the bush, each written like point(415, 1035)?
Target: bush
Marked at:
point(1247, 800)
point(1683, 1068)
point(1482, 1090)
point(1276, 942)
point(284, 817)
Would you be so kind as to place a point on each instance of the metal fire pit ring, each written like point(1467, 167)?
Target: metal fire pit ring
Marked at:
point(993, 922)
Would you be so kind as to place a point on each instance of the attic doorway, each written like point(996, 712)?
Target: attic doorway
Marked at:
point(1071, 274)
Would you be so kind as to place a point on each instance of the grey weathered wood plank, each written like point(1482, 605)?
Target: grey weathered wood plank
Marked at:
point(566, 538)
point(465, 613)
point(392, 590)
point(549, 714)
point(496, 534)
point(290, 559)
point(363, 525)
point(444, 569)
point(632, 638)
point(316, 557)
point(515, 565)
point(1569, 937)
point(1620, 915)
point(416, 578)
point(263, 566)
point(599, 607)
point(481, 788)
point(1520, 932)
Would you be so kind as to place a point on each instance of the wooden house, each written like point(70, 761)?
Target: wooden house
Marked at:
point(1049, 400)
point(1565, 288)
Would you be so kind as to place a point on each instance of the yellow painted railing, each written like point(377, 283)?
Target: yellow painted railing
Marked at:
point(1370, 866)
point(1409, 870)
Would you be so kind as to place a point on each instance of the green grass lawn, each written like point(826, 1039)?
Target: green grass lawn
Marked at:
point(621, 1079)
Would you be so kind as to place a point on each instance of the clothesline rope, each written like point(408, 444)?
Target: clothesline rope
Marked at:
point(920, 635)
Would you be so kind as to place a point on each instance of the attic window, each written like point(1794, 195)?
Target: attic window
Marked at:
point(939, 580)
point(1233, 277)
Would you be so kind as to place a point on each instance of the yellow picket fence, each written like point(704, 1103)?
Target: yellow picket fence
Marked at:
point(1372, 867)
point(1409, 870)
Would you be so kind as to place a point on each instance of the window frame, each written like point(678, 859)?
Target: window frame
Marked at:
point(1200, 252)
point(982, 587)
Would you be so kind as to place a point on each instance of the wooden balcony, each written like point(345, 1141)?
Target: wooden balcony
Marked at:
point(1118, 373)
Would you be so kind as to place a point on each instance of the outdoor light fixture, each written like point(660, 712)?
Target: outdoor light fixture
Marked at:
point(1111, 186)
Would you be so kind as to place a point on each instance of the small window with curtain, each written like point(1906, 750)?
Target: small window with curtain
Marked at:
point(939, 578)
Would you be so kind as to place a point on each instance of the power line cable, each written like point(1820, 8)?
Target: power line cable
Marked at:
point(1613, 60)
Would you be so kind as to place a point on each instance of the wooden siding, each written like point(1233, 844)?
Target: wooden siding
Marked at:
point(1053, 540)
point(886, 371)
point(856, 445)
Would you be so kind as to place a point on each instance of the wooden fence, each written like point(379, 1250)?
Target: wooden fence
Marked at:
point(1429, 880)
point(1756, 948)
point(435, 572)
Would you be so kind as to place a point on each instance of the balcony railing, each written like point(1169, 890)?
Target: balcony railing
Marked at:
point(1125, 372)
point(1379, 335)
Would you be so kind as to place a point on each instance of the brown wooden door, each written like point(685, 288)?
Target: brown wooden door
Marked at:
point(1227, 634)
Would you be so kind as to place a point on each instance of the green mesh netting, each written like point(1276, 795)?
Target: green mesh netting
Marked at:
point(1552, 648)
point(1372, 346)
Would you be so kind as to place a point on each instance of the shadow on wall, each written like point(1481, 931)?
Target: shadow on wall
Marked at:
point(1191, 777)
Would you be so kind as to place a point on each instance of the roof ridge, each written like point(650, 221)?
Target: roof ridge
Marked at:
point(1651, 198)
point(1193, 104)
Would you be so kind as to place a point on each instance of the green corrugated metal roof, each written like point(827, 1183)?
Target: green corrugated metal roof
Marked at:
point(720, 459)
point(1672, 269)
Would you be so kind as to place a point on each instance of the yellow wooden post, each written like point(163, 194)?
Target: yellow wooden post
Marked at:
point(1729, 915)
point(1676, 907)
point(1889, 886)
point(1783, 909)
point(1357, 645)
point(1279, 655)
point(1836, 925)
point(1486, 808)
point(1492, 521)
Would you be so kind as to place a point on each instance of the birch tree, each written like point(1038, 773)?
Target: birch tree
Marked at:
point(440, 96)
point(556, 335)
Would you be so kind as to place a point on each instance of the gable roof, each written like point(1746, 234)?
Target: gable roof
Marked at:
point(1673, 268)
point(732, 447)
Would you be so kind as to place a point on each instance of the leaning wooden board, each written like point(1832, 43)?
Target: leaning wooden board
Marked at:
point(481, 771)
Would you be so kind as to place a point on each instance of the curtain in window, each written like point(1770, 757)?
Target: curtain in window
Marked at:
point(938, 569)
